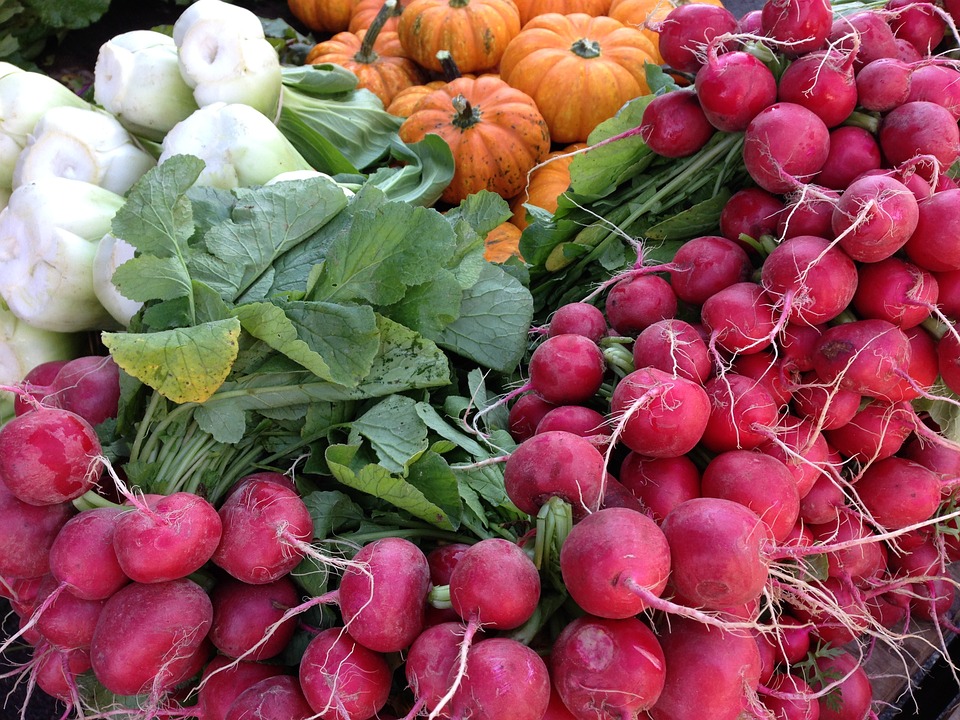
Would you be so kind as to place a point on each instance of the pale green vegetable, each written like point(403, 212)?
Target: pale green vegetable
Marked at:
point(112, 252)
point(24, 97)
point(238, 144)
point(133, 70)
point(225, 57)
point(82, 144)
point(49, 234)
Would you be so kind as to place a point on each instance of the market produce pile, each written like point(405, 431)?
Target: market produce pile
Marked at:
point(527, 399)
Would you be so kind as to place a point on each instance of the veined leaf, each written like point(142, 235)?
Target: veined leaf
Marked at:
point(395, 431)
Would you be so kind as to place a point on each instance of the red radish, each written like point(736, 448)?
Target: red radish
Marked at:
point(443, 559)
point(616, 665)
point(278, 697)
point(709, 672)
point(826, 406)
point(924, 365)
point(660, 483)
point(264, 525)
point(566, 369)
point(429, 661)
point(877, 431)
point(49, 457)
point(770, 371)
point(674, 124)
point(917, 128)
point(63, 618)
point(822, 81)
point(578, 318)
point(791, 641)
point(383, 594)
point(752, 211)
point(865, 33)
point(148, 636)
point(936, 238)
point(808, 211)
point(223, 680)
point(717, 551)
point(742, 413)
point(705, 265)
point(898, 493)
point(785, 145)
point(614, 561)
point(687, 30)
point(617, 495)
point(675, 347)
point(740, 318)
point(875, 217)
point(801, 446)
point(555, 464)
point(937, 84)
point(57, 670)
point(341, 679)
point(858, 555)
point(732, 88)
point(798, 344)
point(243, 613)
point(948, 295)
point(883, 84)
point(27, 532)
point(853, 151)
point(853, 697)
point(503, 680)
point(88, 386)
point(481, 577)
point(822, 502)
point(658, 414)
point(525, 414)
point(577, 419)
point(637, 302)
point(167, 538)
point(83, 558)
point(36, 386)
point(865, 356)
point(794, 698)
point(895, 290)
point(796, 26)
point(816, 280)
point(920, 23)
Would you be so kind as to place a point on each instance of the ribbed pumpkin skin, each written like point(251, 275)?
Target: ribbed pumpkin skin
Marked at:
point(502, 243)
point(406, 101)
point(389, 72)
point(365, 11)
point(531, 8)
point(327, 16)
point(547, 183)
point(475, 32)
point(508, 138)
point(577, 93)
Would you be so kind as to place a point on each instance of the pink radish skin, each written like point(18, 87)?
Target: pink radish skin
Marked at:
point(751, 211)
point(637, 302)
point(740, 318)
point(874, 37)
point(49, 457)
point(785, 145)
point(258, 523)
point(88, 386)
point(83, 558)
point(578, 318)
point(675, 347)
point(35, 386)
point(525, 414)
point(898, 493)
point(826, 406)
point(674, 124)
point(64, 619)
point(660, 484)
point(277, 697)
point(566, 369)
point(875, 217)
point(855, 563)
point(937, 84)
point(853, 151)
point(555, 463)
point(383, 594)
point(742, 413)
point(732, 88)
point(821, 81)
point(616, 665)
point(148, 636)
point(924, 365)
point(27, 533)
point(823, 502)
point(917, 22)
point(808, 211)
point(877, 431)
point(854, 696)
point(168, 538)
point(767, 369)
point(797, 26)
point(431, 658)
point(341, 679)
point(609, 554)
point(242, 613)
point(919, 127)
point(686, 31)
point(218, 687)
point(481, 578)
point(703, 266)
point(717, 552)
point(895, 290)
point(936, 237)
point(865, 356)
point(578, 420)
point(884, 84)
point(801, 446)
point(797, 344)
point(657, 414)
point(57, 670)
point(801, 705)
point(504, 680)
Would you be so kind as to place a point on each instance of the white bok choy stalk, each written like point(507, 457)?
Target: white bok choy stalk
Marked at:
point(137, 79)
point(112, 252)
point(49, 233)
point(24, 97)
point(238, 144)
point(82, 144)
point(225, 56)
point(348, 189)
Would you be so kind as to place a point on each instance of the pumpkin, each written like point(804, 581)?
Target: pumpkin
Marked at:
point(366, 10)
point(495, 132)
point(529, 9)
point(405, 101)
point(325, 16)
point(645, 14)
point(474, 31)
point(502, 243)
point(375, 57)
point(548, 182)
point(579, 69)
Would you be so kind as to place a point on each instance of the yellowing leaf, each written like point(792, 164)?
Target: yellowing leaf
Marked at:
point(184, 364)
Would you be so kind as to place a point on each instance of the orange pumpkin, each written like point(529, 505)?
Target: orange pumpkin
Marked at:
point(495, 132)
point(502, 243)
point(547, 183)
point(579, 69)
point(366, 10)
point(325, 16)
point(375, 57)
point(531, 8)
point(474, 31)
point(405, 101)
point(644, 14)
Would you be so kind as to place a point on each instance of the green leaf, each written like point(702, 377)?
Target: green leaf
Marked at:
point(395, 431)
point(428, 308)
point(149, 277)
point(183, 364)
point(332, 511)
point(71, 15)
point(699, 219)
point(420, 173)
point(494, 321)
point(599, 170)
point(483, 211)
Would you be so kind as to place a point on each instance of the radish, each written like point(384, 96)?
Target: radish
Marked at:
point(791, 698)
point(578, 420)
point(503, 680)
point(875, 217)
point(242, 614)
point(56, 671)
point(924, 365)
point(753, 212)
point(821, 81)
point(853, 151)
point(223, 680)
point(877, 431)
point(637, 302)
point(919, 127)
point(865, 356)
point(27, 532)
point(742, 413)
point(936, 84)
point(884, 84)
point(948, 293)
point(853, 694)
point(732, 88)
point(767, 370)
point(278, 697)
point(687, 30)
point(660, 483)
point(558, 464)
point(740, 318)
point(801, 446)
point(614, 561)
point(578, 318)
point(797, 344)
point(796, 26)
point(341, 679)
point(49, 457)
point(658, 414)
point(675, 347)
point(919, 23)
point(898, 493)
point(936, 238)
point(167, 538)
point(705, 265)
point(616, 665)
point(859, 556)
point(895, 290)
point(808, 211)
point(525, 414)
point(717, 552)
point(383, 593)
point(88, 386)
point(674, 124)
point(826, 406)
point(265, 527)
point(866, 34)
point(149, 636)
point(35, 386)
point(566, 369)
point(430, 660)
point(62, 618)
point(784, 145)
point(83, 557)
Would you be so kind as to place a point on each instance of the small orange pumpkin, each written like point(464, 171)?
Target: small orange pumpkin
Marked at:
point(376, 58)
point(495, 132)
point(502, 243)
point(364, 13)
point(474, 31)
point(579, 69)
point(548, 182)
point(529, 9)
point(325, 16)
point(405, 101)
point(644, 14)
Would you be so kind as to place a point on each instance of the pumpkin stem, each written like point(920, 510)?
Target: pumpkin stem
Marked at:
point(366, 53)
point(467, 115)
point(586, 48)
point(459, 3)
point(448, 66)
